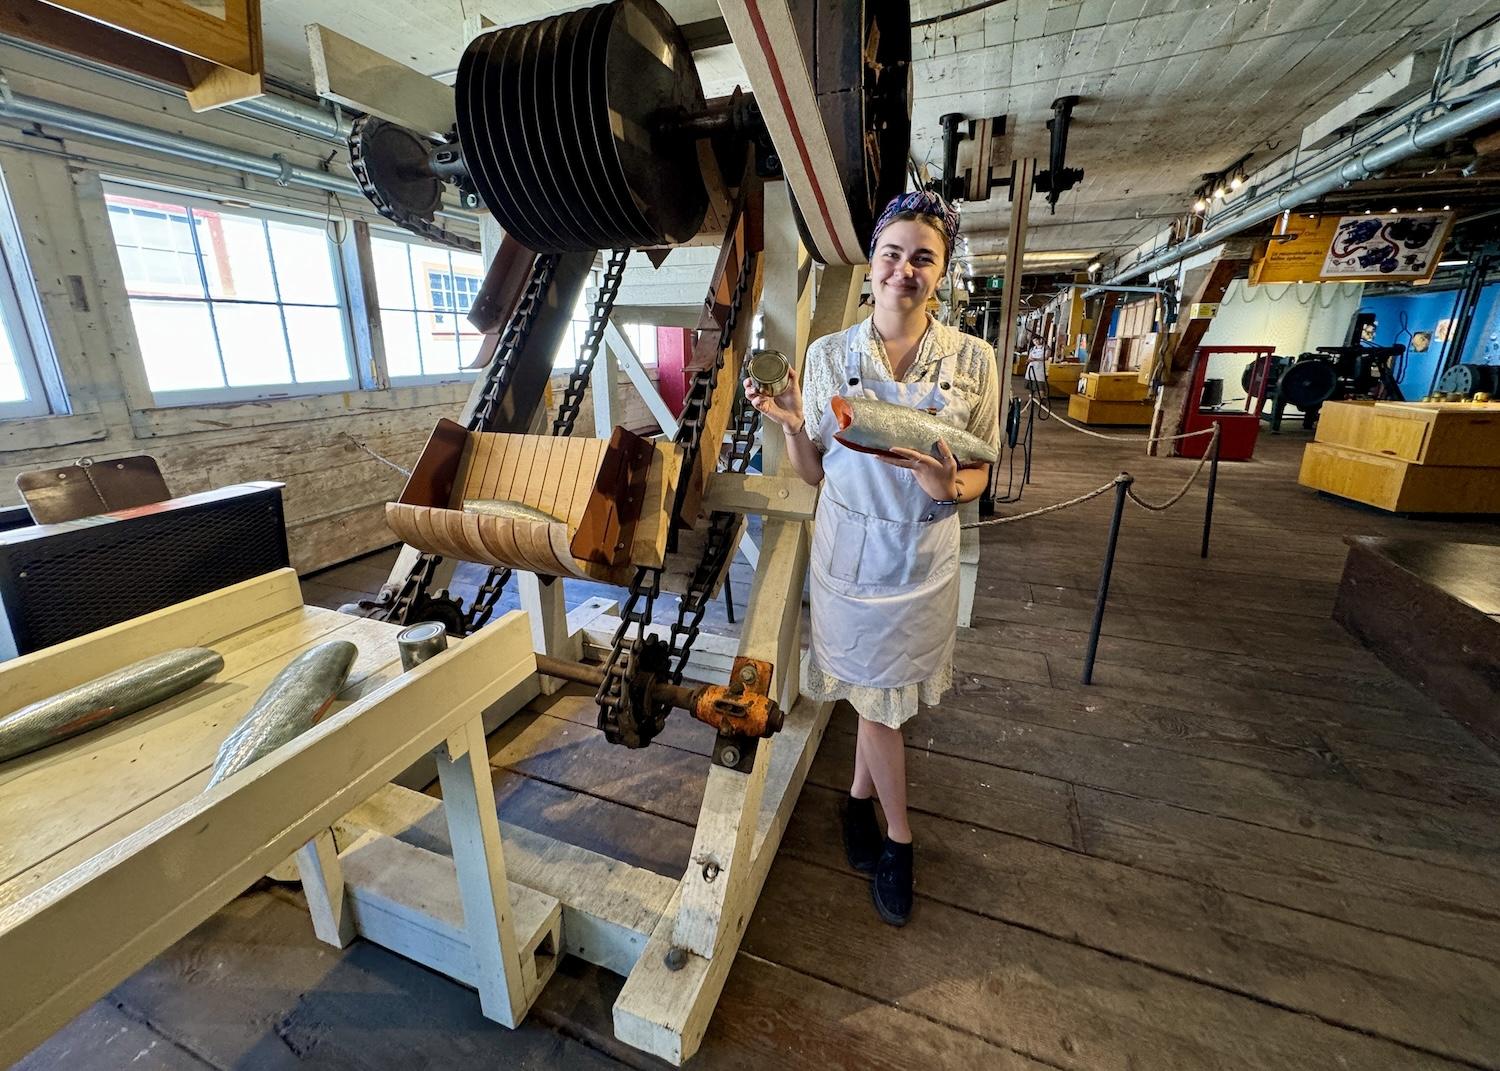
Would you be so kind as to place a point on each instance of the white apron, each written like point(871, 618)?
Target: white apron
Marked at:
point(884, 566)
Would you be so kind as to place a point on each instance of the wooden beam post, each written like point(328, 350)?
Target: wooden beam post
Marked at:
point(786, 304)
point(323, 886)
point(1022, 176)
point(1202, 289)
point(1101, 331)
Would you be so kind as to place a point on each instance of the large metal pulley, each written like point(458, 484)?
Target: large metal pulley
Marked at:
point(578, 130)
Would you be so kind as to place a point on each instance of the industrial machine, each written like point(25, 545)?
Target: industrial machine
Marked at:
point(589, 131)
point(1356, 369)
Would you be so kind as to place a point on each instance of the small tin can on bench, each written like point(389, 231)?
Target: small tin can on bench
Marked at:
point(770, 371)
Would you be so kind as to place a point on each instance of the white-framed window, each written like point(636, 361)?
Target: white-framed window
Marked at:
point(230, 302)
point(425, 292)
point(29, 382)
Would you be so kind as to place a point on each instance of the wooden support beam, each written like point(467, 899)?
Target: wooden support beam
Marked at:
point(782, 498)
point(550, 634)
point(1202, 289)
point(786, 305)
point(604, 390)
point(323, 885)
point(619, 346)
point(1022, 178)
point(351, 74)
point(474, 831)
point(1101, 330)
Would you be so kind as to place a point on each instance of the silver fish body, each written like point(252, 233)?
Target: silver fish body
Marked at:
point(877, 427)
point(290, 705)
point(102, 700)
point(511, 511)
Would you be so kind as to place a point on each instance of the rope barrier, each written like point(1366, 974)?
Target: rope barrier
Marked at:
point(1052, 414)
point(1127, 479)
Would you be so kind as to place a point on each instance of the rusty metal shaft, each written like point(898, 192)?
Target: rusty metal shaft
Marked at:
point(678, 695)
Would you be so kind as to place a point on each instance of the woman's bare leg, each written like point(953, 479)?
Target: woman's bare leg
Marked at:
point(883, 751)
point(863, 785)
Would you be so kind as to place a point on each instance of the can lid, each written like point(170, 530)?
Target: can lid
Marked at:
point(422, 632)
point(768, 365)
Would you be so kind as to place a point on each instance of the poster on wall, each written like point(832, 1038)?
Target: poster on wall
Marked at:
point(1397, 245)
point(1346, 249)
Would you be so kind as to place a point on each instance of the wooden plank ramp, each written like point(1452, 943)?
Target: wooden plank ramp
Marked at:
point(1249, 845)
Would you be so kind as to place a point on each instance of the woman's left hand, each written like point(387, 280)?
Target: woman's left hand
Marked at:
point(938, 476)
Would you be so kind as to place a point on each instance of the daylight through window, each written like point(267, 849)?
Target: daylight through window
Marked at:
point(425, 293)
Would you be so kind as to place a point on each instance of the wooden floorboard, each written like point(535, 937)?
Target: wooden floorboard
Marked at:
point(1247, 845)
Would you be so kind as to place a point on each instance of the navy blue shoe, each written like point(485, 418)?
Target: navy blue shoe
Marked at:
point(891, 888)
point(861, 833)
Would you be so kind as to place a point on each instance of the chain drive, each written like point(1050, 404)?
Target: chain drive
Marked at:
point(397, 214)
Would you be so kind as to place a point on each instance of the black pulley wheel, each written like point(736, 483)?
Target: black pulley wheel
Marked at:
point(1308, 384)
point(572, 126)
point(1470, 379)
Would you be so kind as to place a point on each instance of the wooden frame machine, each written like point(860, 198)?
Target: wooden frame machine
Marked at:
point(579, 133)
point(588, 131)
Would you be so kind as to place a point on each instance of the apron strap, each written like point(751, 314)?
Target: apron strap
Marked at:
point(853, 361)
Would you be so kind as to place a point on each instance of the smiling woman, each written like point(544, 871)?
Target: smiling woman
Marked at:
point(884, 567)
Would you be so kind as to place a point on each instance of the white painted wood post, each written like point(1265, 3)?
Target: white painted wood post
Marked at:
point(548, 614)
point(323, 886)
point(474, 830)
point(604, 391)
point(785, 304)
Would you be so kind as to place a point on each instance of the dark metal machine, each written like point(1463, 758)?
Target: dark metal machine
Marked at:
point(588, 131)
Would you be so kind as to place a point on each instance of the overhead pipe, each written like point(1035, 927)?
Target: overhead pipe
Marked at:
point(24, 109)
point(1422, 136)
point(277, 110)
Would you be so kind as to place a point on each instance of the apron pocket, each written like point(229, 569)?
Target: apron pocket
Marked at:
point(848, 550)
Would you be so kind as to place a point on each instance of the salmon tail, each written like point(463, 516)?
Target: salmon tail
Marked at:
point(843, 412)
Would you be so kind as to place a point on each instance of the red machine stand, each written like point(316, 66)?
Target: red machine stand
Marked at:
point(1238, 431)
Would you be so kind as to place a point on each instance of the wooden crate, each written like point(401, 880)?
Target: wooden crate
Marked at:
point(1114, 387)
point(1399, 486)
point(1087, 410)
point(1063, 377)
point(1425, 433)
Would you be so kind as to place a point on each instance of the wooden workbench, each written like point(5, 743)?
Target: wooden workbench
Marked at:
point(111, 850)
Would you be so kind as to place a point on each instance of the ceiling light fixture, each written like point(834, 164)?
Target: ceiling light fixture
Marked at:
point(1095, 266)
point(1447, 208)
point(1219, 193)
point(1236, 182)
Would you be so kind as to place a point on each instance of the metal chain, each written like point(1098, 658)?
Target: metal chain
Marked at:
point(583, 367)
point(424, 228)
point(718, 544)
point(497, 379)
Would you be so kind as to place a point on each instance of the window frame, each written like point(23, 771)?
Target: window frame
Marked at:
point(25, 325)
point(342, 299)
point(462, 374)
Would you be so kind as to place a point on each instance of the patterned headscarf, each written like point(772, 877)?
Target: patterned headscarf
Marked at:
point(926, 203)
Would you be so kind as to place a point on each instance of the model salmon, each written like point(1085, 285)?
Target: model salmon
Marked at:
point(877, 427)
point(511, 511)
point(295, 700)
point(102, 700)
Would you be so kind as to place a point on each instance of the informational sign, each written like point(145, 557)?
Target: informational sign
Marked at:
point(1392, 246)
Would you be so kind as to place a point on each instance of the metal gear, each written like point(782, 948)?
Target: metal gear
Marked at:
point(393, 168)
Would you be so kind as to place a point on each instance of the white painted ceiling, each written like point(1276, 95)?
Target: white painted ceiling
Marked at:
point(1171, 89)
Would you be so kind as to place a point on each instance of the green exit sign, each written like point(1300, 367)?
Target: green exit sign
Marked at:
point(992, 283)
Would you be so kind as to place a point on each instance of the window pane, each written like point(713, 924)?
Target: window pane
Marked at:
point(12, 386)
point(304, 264)
point(177, 344)
point(235, 257)
point(156, 247)
point(403, 353)
point(439, 353)
point(254, 347)
point(392, 273)
point(319, 352)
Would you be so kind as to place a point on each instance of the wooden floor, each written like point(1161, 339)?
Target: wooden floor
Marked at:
point(1247, 845)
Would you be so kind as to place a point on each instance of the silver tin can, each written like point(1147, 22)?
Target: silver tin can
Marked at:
point(420, 642)
point(770, 371)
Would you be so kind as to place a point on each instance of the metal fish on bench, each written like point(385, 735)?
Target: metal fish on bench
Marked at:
point(511, 511)
point(104, 699)
point(876, 427)
point(292, 704)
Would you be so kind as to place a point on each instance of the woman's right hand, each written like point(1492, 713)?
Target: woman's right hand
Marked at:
point(784, 409)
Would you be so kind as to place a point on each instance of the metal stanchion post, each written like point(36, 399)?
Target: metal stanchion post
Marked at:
point(1213, 479)
point(1122, 487)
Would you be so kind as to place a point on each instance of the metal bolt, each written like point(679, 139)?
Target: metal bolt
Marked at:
point(730, 756)
point(710, 871)
point(675, 959)
point(747, 674)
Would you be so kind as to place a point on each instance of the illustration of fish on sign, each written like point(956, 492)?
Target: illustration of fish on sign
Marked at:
point(293, 703)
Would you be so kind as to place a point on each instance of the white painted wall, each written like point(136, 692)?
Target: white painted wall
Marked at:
point(1293, 317)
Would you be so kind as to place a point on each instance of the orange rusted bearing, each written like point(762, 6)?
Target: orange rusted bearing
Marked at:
point(744, 706)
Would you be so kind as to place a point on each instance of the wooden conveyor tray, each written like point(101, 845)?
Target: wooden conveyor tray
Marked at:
point(571, 478)
point(110, 850)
